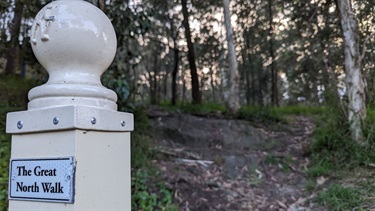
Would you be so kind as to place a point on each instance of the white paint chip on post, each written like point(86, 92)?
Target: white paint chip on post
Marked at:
point(71, 148)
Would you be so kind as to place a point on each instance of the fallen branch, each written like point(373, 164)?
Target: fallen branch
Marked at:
point(204, 163)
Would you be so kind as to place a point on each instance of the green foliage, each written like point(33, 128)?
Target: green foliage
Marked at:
point(141, 152)
point(14, 91)
point(338, 197)
point(4, 162)
point(199, 109)
point(121, 87)
point(260, 114)
point(4, 159)
point(143, 199)
point(146, 195)
point(13, 97)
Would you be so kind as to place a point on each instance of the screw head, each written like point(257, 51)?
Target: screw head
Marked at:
point(123, 123)
point(56, 120)
point(93, 121)
point(19, 124)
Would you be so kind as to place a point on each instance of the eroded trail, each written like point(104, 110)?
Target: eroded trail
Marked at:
point(219, 164)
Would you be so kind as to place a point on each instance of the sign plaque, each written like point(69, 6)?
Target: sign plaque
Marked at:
point(47, 179)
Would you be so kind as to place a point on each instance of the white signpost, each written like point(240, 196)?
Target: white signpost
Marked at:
point(71, 148)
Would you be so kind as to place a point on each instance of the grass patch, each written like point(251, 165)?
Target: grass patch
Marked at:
point(333, 149)
point(334, 154)
point(281, 162)
point(197, 109)
point(276, 114)
point(299, 110)
point(260, 114)
point(321, 168)
point(337, 197)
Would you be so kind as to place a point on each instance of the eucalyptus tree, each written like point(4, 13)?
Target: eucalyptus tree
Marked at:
point(355, 82)
point(233, 97)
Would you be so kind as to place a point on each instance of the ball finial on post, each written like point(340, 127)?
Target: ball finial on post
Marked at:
point(75, 42)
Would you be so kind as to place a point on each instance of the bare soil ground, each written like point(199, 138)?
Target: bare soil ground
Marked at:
point(214, 163)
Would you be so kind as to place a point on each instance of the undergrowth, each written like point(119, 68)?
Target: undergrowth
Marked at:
point(198, 109)
point(333, 148)
point(260, 114)
point(4, 160)
point(339, 198)
point(146, 194)
point(334, 154)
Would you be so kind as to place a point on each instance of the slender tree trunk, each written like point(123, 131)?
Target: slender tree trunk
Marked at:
point(274, 91)
point(212, 84)
point(13, 53)
point(174, 75)
point(183, 92)
point(246, 71)
point(260, 85)
point(99, 3)
point(250, 89)
point(233, 101)
point(196, 93)
point(355, 82)
point(165, 87)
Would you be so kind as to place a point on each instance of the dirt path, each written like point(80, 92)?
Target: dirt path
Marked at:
point(220, 164)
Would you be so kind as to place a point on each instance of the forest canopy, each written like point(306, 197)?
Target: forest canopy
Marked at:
point(232, 52)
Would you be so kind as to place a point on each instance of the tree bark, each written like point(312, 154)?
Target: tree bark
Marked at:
point(175, 63)
point(13, 52)
point(212, 84)
point(355, 82)
point(174, 75)
point(274, 90)
point(196, 93)
point(233, 100)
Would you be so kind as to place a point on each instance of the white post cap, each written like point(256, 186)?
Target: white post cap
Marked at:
point(75, 42)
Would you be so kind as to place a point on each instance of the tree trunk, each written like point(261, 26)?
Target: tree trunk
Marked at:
point(99, 3)
point(355, 82)
point(12, 55)
point(251, 70)
point(174, 75)
point(233, 100)
point(196, 94)
point(274, 92)
point(212, 84)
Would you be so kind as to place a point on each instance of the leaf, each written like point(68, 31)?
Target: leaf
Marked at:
point(321, 180)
